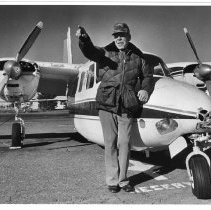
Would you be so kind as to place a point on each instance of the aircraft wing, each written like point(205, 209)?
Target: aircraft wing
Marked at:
point(49, 78)
point(54, 78)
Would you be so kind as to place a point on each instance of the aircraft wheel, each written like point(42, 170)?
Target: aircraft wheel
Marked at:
point(200, 172)
point(17, 135)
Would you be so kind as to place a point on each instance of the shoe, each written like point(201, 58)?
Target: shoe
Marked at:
point(114, 189)
point(128, 188)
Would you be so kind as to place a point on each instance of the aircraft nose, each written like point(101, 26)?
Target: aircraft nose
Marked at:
point(178, 96)
point(203, 72)
point(12, 69)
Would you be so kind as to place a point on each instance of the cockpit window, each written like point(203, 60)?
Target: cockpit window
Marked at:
point(81, 81)
point(90, 77)
point(160, 68)
point(178, 70)
point(26, 66)
point(190, 68)
point(2, 65)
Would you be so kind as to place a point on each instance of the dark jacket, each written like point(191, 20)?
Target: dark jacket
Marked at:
point(119, 72)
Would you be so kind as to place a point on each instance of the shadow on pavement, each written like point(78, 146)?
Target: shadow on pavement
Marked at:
point(163, 164)
point(51, 138)
point(72, 136)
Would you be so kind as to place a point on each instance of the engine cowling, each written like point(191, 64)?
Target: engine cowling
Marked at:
point(20, 78)
point(25, 87)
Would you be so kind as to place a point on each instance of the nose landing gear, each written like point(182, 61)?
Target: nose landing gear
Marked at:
point(18, 131)
point(198, 168)
point(201, 179)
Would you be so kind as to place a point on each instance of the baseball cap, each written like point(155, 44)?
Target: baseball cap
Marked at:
point(121, 28)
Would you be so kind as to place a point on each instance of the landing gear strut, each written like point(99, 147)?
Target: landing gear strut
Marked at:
point(198, 167)
point(18, 130)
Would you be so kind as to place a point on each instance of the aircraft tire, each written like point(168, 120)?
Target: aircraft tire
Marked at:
point(17, 135)
point(200, 170)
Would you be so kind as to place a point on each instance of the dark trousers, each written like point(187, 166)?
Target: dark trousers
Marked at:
point(117, 135)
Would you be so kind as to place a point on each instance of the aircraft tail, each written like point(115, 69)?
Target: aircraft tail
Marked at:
point(67, 53)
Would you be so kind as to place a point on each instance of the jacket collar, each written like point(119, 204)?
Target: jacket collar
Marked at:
point(131, 47)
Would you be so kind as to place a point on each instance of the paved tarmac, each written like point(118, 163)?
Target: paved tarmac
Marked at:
point(58, 166)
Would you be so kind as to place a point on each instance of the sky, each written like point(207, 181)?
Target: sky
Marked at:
point(156, 29)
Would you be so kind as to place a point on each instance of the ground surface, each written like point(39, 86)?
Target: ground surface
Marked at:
point(57, 165)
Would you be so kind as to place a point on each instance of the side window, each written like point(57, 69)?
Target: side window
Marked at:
point(97, 72)
point(90, 77)
point(158, 70)
point(81, 81)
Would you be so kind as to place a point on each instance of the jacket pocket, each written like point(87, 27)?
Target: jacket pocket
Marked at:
point(106, 94)
point(130, 99)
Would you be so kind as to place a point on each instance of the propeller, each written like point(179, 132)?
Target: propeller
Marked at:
point(12, 68)
point(29, 42)
point(202, 71)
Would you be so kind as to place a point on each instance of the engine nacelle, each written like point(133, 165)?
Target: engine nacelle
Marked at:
point(23, 89)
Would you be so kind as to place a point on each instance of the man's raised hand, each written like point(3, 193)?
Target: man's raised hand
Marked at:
point(81, 32)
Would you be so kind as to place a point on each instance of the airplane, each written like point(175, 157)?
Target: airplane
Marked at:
point(177, 114)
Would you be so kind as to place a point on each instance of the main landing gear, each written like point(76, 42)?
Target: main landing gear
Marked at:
point(198, 166)
point(18, 131)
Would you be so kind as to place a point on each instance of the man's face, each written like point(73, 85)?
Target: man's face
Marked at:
point(121, 40)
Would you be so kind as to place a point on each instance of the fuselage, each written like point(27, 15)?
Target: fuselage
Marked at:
point(170, 113)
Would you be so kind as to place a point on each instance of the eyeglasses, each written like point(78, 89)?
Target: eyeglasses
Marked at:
point(119, 35)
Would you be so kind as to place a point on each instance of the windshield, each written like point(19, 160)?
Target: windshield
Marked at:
point(160, 68)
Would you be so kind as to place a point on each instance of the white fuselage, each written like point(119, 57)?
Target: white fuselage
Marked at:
point(170, 99)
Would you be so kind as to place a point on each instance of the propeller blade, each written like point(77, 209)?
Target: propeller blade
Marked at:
point(3, 82)
point(29, 42)
point(192, 45)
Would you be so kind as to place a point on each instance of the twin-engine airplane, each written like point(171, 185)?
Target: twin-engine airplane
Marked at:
point(177, 113)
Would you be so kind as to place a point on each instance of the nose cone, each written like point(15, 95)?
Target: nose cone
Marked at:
point(12, 69)
point(203, 72)
point(179, 96)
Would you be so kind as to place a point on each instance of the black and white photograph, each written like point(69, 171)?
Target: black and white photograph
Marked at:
point(105, 103)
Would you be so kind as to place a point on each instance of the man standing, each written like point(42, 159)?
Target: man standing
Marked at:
point(120, 65)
